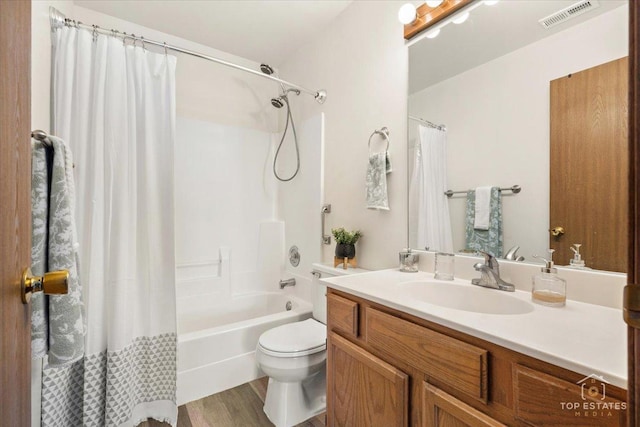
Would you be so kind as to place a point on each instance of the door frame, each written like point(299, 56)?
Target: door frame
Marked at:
point(632, 290)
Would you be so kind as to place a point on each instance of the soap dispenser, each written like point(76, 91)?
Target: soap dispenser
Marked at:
point(548, 288)
point(576, 261)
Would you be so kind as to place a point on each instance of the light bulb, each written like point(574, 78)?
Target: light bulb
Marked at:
point(460, 19)
point(433, 33)
point(434, 3)
point(407, 13)
point(490, 2)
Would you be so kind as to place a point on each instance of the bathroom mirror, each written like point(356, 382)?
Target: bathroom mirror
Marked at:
point(487, 81)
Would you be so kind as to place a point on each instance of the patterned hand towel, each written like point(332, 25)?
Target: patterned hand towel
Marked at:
point(377, 182)
point(57, 326)
point(489, 240)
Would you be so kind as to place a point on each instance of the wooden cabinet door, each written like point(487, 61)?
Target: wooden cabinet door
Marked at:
point(440, 409)
point(363, 390)
point(589, 195)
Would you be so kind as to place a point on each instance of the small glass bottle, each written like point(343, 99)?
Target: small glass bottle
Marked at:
point(548, 288)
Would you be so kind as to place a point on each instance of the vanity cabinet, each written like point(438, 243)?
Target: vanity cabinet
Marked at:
point(366, 390)
point(440, 409)
point(388, 368)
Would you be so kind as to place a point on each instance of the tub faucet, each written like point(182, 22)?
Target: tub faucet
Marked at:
point(287, 282)
point(490, 274)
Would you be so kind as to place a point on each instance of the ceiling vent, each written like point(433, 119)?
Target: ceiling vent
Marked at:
point(568, 13)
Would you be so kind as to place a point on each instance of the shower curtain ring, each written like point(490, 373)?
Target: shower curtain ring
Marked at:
point(142, 41)
point(95, 33)
point(166, 51)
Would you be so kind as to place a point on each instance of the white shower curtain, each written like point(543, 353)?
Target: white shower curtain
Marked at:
point(428, 183)
point(115, 106)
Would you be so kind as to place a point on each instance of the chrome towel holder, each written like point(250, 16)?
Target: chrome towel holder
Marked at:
point(384, 132)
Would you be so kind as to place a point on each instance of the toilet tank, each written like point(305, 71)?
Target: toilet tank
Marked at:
point(319, 296)
point(319, 289)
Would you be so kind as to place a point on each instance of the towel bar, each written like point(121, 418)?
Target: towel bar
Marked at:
point(515, 189)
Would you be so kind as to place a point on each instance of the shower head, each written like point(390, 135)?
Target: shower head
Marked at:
point(266, 69)
point(277, 102)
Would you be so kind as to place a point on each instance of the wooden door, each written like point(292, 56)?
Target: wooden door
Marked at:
point(632, 290)
point(363, 390)
point(15, 210)
point(589, 166)
point(440, 409)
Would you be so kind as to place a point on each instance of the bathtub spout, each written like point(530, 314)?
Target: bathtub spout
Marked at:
point(287, 282)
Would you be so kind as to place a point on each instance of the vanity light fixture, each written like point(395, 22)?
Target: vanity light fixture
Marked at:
point(434, 3)
point(407, 14)
point(460, 18)
point(430, 22)
point(433, 33)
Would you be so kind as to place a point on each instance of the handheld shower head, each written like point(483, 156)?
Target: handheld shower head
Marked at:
point(277, 102)
point(266, 69)
point(321, 96)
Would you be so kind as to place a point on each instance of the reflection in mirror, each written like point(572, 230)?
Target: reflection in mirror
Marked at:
point(480, 117)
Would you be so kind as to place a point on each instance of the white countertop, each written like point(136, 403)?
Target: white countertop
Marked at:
point(581, 337)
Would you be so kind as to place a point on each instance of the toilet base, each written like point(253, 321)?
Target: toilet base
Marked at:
point(290, 403)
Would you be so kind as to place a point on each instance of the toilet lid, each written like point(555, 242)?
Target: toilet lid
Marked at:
point(292, 339)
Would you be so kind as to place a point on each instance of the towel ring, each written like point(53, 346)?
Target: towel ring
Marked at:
point(384, 132)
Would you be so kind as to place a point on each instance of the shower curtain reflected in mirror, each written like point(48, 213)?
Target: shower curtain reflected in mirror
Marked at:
point(429, 221)
point(115, 106)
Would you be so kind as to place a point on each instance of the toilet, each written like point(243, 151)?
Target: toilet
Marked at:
point(293, 356)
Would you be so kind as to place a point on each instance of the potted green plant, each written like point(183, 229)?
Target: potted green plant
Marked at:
point(345, 242)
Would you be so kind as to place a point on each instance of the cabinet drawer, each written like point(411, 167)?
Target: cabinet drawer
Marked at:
point(443, 359)
point(544, 400)
point(342, 315)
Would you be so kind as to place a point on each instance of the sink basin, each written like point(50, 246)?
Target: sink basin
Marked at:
point(465, 297)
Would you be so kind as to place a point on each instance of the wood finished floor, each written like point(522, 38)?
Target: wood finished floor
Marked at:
point(238, 407)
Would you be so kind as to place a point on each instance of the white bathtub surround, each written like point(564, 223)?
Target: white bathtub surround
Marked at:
point(217, 342)
point(115, 105)
point(300, 200)
point(585, 338)
point(224, 191)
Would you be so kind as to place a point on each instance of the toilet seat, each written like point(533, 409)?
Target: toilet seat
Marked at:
point(294, 339)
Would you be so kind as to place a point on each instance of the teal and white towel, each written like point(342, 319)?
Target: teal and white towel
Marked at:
point(376, 183)
point(57, 326)
point(489, 240)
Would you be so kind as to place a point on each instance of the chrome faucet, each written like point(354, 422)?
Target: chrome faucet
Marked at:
point(287, 282)
point(490, 274)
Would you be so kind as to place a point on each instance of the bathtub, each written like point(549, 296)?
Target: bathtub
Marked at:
point(216, 344)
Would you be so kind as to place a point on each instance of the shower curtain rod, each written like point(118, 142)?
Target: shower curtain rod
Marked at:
point(59, 20)
point(428, 123)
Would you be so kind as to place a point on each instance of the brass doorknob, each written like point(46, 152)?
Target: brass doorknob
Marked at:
point(557, 231)
point(52, 283)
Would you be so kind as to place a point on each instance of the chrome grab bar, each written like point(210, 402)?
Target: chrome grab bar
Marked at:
point(326, 209)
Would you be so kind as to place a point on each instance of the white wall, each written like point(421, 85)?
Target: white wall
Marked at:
point(361, 60)
point(497, 117)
